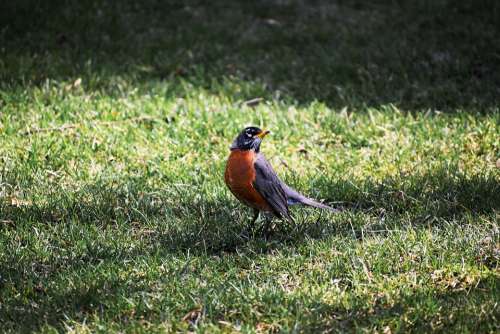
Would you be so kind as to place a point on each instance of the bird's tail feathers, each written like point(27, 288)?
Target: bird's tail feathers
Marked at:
point(294, 197)
point(311, 202)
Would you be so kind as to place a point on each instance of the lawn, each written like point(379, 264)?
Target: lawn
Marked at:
point(115, 123)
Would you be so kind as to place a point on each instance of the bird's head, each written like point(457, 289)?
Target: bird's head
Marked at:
point(249, 139)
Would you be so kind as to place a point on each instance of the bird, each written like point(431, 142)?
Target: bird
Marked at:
point(253, 181)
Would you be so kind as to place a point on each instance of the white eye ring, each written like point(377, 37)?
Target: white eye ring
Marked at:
point(249, 135)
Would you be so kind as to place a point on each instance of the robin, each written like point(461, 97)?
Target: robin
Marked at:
point(254, 182)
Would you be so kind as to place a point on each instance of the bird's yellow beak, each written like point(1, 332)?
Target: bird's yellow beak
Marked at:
point(263, 134)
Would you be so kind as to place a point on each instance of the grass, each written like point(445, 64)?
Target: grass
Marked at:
point(115, 122)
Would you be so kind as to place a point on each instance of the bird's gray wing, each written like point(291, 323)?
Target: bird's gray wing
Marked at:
point(270, 187)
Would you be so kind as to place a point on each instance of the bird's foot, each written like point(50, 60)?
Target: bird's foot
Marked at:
point(267, 229)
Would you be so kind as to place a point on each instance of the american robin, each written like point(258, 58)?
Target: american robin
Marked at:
point(254, 182)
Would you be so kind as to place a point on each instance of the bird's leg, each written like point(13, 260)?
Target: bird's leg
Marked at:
point(267, 226)
point(256, 214)
point(250, 230)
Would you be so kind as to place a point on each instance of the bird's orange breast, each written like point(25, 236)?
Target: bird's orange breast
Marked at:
point(239, 177)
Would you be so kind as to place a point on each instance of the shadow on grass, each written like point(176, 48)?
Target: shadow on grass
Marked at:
point(190, 221)
point(425, 54)
point(181, 224)
point(104, 298)
point(49, 306)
